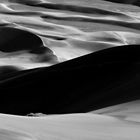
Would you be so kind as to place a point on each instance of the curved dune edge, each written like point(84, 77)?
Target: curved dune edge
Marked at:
point(66, 31)
point(70, 126)
point(128, 111)
point(66, 36)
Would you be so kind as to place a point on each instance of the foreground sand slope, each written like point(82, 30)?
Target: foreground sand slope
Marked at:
point(67, 127)
point(127, 111)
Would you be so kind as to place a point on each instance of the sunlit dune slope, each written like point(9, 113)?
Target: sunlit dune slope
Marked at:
point(128, 111)
point(71, 61)
point(70, 127)
point(69, 29)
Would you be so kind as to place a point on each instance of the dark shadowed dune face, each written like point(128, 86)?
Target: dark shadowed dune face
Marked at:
point(13, 40)
point(68, 56)
point(16, 43)
point(132, 2)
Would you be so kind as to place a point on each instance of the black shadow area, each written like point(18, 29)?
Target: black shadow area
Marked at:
point(90, 82)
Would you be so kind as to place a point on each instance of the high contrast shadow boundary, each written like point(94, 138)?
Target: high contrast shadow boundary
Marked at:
point(90, 82)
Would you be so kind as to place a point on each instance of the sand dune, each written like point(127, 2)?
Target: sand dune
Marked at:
point(76, 62)
point(71, 126)
point(127, 111)
point(65, 28)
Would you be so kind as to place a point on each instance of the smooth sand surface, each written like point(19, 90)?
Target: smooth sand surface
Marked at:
point(127, 111)
point(43, 33)
point(67, 127)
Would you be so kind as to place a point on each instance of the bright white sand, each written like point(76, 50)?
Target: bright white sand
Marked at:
point(67, 127)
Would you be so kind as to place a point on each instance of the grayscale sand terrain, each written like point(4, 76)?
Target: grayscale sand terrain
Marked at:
point(69, 70)
point(67, 31)
point(70, 127)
